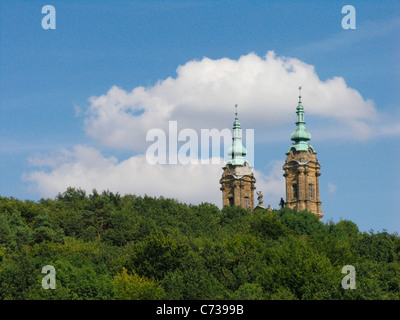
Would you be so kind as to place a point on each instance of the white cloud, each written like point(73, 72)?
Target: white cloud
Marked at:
point(87, 168)
point(331, 188)
point(390, 129)
point(272, 185)
point(204, 92)
point(201, 96)
point(367, 31)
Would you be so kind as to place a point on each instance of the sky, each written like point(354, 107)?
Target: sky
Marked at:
point(77, 102)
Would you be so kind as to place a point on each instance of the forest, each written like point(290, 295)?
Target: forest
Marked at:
point(104, 246)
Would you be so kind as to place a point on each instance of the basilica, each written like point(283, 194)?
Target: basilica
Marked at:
point(301, 172)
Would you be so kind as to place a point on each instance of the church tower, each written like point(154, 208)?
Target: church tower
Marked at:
point(302, 169)
point(237, 182)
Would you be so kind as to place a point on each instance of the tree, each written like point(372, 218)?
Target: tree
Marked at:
point(249, 291)
point(104, 246)
point(157, 254)
point(133, 287)
point(300, 223)
point(298, 267)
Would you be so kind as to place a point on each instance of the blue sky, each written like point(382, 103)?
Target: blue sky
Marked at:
point(48, 76)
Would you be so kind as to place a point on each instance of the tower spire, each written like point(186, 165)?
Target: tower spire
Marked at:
point(302, 169)
point(300, 136)
point(238, 181)
point(237, 151)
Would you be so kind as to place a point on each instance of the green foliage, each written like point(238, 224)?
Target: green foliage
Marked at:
point(249, 291)
point(269, 225)
point(156, 254)
point(379, 247)
point(16, 276)
point(44, 231)
point(107, 246)
point(134, 287)
point(300, 223)
point(193, 284)
point(83, 280)
point(298, 267)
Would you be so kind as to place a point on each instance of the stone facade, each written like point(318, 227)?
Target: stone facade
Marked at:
point(302, 171)
point(302, 181)
point(238, 185)
point(237, 182)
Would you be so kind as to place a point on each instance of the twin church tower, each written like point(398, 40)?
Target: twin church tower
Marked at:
point(301, 171)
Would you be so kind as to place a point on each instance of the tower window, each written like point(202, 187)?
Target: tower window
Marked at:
point(295, 195)
point(246, 202)
point(310, 191)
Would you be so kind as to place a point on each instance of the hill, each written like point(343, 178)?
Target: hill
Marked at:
point(107, 246)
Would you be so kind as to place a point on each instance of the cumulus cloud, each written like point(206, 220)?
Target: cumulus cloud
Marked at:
point(201, 96)
point(203, 93)
point(85, 167)
point(271, 185)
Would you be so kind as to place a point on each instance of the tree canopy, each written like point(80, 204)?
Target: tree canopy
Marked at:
point(107, 246)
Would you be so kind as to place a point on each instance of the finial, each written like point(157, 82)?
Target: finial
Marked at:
point(236, 113)
point(300, 94)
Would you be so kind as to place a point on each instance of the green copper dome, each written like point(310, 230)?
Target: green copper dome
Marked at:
point(237, 151)
point(300, 136)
